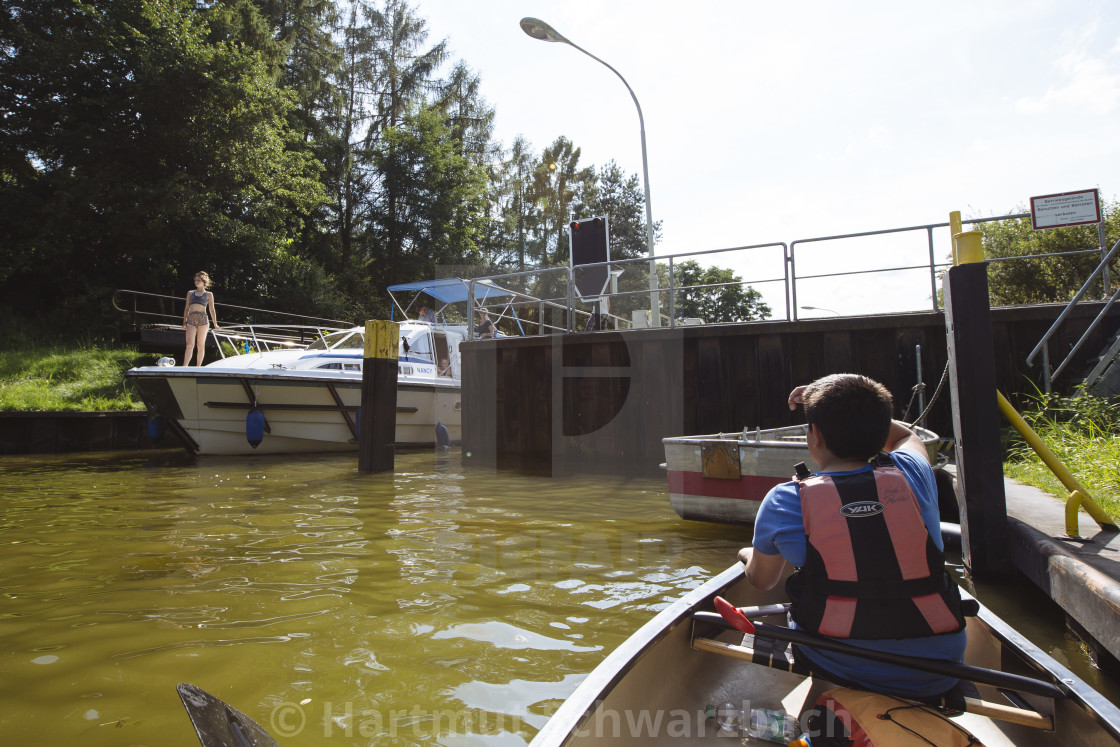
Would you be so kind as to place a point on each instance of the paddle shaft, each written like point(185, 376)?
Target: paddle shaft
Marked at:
point(943, 667)
point(1021, 716)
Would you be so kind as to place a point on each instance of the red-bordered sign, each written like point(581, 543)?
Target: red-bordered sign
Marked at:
point(1080, 208)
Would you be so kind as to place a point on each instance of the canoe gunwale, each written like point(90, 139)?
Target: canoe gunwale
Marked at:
point(580, 705)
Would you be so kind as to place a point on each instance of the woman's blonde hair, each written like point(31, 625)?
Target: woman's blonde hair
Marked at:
point(201, 275)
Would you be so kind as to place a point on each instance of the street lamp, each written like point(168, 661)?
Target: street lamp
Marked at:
point(538, 29)
point(818, 308)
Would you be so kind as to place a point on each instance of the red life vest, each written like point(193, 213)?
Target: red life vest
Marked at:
point(871, 568)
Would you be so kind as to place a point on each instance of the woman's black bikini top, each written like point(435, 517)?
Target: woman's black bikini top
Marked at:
point(195, 297)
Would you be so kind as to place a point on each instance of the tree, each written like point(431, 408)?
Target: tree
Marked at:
point(558, 183)
point(1049, 279)
point(714, 294)
point(140, 144)
point(511, 209)
point(438, 198)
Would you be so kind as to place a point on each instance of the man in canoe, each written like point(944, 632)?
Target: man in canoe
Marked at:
point(863, 534)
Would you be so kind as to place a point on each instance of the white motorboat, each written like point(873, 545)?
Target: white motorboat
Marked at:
point(309, 395)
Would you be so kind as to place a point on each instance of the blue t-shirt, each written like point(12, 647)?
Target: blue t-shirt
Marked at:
point(779, 529)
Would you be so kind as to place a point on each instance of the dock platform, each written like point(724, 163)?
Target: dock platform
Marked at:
point(1081, 575)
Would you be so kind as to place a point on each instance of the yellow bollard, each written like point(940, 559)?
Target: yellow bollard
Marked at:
point(378, 415)
point(968, 247)
point(382, 339)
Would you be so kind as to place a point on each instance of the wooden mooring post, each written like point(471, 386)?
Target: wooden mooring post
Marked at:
point(377, 419)
point(972, 376)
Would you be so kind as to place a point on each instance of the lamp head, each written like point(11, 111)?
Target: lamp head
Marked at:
point(538, 29)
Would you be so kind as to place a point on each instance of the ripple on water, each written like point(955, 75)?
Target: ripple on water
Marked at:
point(271, 581)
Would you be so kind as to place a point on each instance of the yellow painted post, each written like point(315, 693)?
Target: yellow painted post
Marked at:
point(954, 229)
point(1079, 495)
point(382, 339)
point(377, 421)
point(968, 247)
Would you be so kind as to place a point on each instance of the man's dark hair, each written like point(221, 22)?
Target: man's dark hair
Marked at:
point(852, 412)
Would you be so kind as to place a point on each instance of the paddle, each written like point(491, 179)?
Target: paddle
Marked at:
point(220, 725)
point(1018, 715)
point(995, 678)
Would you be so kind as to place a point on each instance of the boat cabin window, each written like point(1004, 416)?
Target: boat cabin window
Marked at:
point(338, 366)
point(417, 347)
point(348, 340)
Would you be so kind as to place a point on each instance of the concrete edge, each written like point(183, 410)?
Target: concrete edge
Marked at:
point(1085, 594)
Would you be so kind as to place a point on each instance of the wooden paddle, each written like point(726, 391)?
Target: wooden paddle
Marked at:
point(736, 619)
point(220, 725)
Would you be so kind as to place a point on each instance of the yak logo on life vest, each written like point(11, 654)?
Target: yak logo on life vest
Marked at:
point(861, 509)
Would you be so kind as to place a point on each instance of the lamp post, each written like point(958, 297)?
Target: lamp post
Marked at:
point(538, 29)
point(818, 308)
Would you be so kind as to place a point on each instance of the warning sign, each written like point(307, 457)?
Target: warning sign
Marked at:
point(1066, 209)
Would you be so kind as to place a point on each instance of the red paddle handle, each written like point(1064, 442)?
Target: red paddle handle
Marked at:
point(731, 614)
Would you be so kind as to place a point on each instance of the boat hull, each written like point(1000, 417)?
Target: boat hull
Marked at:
point(657, 686)
point(305, 412)
point(723, 477)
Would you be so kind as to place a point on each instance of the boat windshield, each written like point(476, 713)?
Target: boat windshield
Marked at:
point(349, 340)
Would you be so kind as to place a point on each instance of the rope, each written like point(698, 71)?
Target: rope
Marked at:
point(919, 387)
point(936, 393)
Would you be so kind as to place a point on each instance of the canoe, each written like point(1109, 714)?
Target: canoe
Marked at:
point(667, 681)
point(723, 477)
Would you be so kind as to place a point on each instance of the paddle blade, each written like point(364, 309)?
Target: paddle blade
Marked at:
point(731, 614)
point(221, 725)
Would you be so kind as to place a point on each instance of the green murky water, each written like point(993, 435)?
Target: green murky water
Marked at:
point(433, 605)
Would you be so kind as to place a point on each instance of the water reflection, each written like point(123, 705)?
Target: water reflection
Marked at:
point(430, 605)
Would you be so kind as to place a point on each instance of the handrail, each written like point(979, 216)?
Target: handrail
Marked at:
point(178, 299)
point(1042, 346)
point(1079, 494)
point(933, 263)
point(264, 339)
point(569, 273)
point(789, 278)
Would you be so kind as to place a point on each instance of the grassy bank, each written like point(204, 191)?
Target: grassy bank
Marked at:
point(1083, 431)
point(77, 377)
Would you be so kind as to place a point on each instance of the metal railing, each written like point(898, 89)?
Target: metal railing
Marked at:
point(1043, 344)
point(568, 309)
point(571, 302)
point(932, 266)
point(150, 310)
point(574, 305)
point(176, 302)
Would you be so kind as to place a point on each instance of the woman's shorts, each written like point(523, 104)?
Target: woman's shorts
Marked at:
point(197, 319)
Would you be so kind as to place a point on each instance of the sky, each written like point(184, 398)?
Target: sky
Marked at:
point(775, 122)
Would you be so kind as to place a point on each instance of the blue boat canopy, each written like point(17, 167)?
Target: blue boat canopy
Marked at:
point(455, 290)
